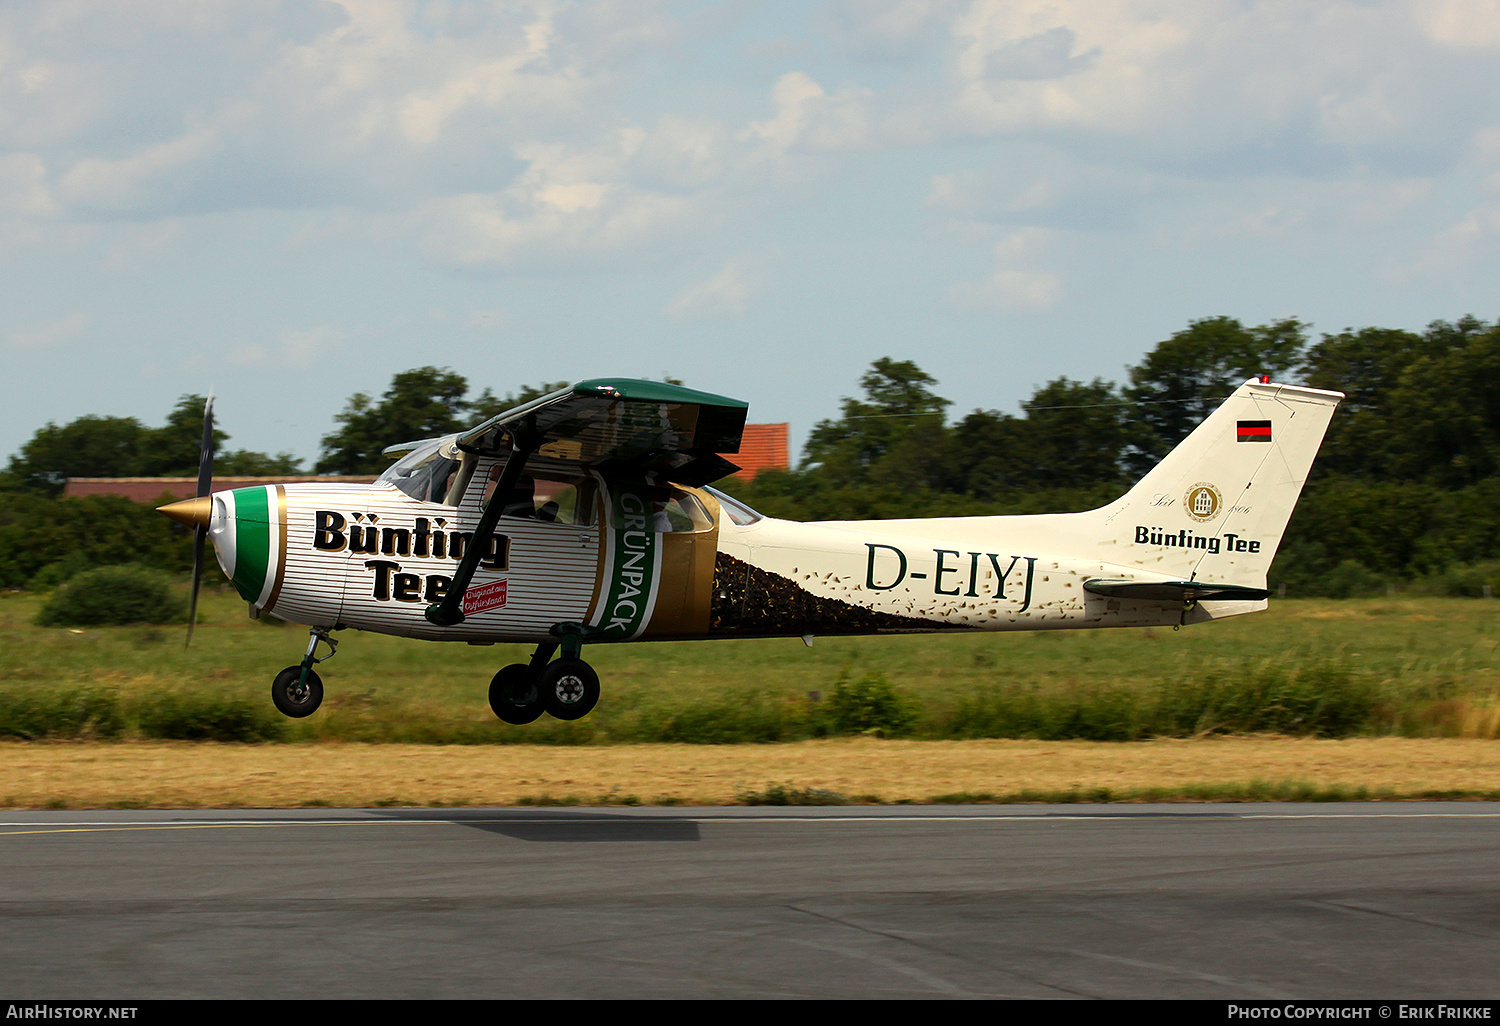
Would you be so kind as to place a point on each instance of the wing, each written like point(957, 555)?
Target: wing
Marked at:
point(622, 424)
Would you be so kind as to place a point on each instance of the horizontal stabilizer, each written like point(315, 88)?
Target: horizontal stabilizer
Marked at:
point(1174, 591)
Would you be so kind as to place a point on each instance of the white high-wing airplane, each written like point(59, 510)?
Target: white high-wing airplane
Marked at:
point(604, 531)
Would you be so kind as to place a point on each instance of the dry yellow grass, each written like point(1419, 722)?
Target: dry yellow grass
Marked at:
point(183, 775)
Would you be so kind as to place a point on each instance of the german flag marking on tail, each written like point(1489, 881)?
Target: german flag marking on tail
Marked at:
point(1253, 431)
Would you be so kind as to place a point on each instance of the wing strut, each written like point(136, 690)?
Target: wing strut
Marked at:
point(450, 611)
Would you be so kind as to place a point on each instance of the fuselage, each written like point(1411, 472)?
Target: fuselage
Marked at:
point(634, 561)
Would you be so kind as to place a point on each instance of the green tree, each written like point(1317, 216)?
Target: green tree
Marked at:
point(87, 447)
point(1073, 436)
point(988, 454)
point(488, 404)
point(38, 532)
point(173, 449)
point(1444, 423)
point(123, 447)
point(1181, 381)
point(422, 403)
point(1077, 433)
point(895, 436)
point(244, 463)
point(1417, 407)
point(1366, 365)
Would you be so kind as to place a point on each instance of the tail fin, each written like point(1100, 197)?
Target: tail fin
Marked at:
point(1215, 508)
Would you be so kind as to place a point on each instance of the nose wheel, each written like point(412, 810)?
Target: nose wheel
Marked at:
point(294, 696)
point(297, 691)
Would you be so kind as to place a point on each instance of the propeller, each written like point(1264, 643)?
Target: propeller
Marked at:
point(200, 527)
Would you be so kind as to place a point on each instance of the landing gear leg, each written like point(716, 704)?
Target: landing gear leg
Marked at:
point(297, 691)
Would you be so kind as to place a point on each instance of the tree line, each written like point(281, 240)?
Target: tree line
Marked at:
point(1406, 486)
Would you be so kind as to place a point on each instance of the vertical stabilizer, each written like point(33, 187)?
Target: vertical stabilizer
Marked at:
point(1215, 508)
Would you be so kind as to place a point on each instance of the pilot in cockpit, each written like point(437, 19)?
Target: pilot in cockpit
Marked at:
point(521, 502)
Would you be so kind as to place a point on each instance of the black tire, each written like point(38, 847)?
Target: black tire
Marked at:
point(570, 689)
point(513, 695)
point(291, 700)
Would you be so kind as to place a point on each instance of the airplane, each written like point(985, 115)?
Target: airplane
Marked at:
point(586, 516)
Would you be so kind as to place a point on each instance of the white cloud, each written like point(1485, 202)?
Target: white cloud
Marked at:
point(1452, 255)
point(1014, 283)
point(507, 131)
point(125, 184)
point(1461, 23)
point(24, 189)
point(51, 334)
point(807, 117)
point(295, 349)
point(726, 294)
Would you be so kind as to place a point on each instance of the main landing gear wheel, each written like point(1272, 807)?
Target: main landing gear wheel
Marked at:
point(570, 688)
point(513, 694)
point(296, 699)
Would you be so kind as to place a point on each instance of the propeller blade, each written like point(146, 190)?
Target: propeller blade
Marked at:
point(200, 531)
point(206, 450)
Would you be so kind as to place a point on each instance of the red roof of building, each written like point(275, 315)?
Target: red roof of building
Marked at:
point(762, 447)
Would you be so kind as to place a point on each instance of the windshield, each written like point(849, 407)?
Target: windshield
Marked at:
point(734, 509)
point(426, 472)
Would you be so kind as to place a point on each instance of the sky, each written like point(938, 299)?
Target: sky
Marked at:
point(289, 201)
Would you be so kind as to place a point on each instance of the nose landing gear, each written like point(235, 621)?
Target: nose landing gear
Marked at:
point(297, 691)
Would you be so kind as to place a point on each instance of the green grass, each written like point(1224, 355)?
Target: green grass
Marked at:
point(1411, 666)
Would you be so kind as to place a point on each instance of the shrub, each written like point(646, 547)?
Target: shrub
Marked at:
point(869, 705)
point(112, 596)
point(727, 720)
point(1313, 698)
point(1350, 579)
point(208, 716)
point(54, 574)
point(788, 794)
point(1469, 581)
point(70, 713)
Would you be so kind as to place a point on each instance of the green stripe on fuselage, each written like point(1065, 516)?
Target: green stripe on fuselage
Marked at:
point(630, 586)
point(252, 541)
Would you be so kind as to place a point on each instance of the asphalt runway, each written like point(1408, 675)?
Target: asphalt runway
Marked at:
point(1073, 901)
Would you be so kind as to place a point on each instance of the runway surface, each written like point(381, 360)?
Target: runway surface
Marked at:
point(1167, 901)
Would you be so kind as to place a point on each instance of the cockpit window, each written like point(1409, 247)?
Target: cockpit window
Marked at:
point(734, 509)
point(427, 472)
point(550, 497)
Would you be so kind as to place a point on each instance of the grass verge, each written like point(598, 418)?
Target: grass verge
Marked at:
point(855, 771)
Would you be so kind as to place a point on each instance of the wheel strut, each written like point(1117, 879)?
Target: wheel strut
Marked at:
point(317, 634)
